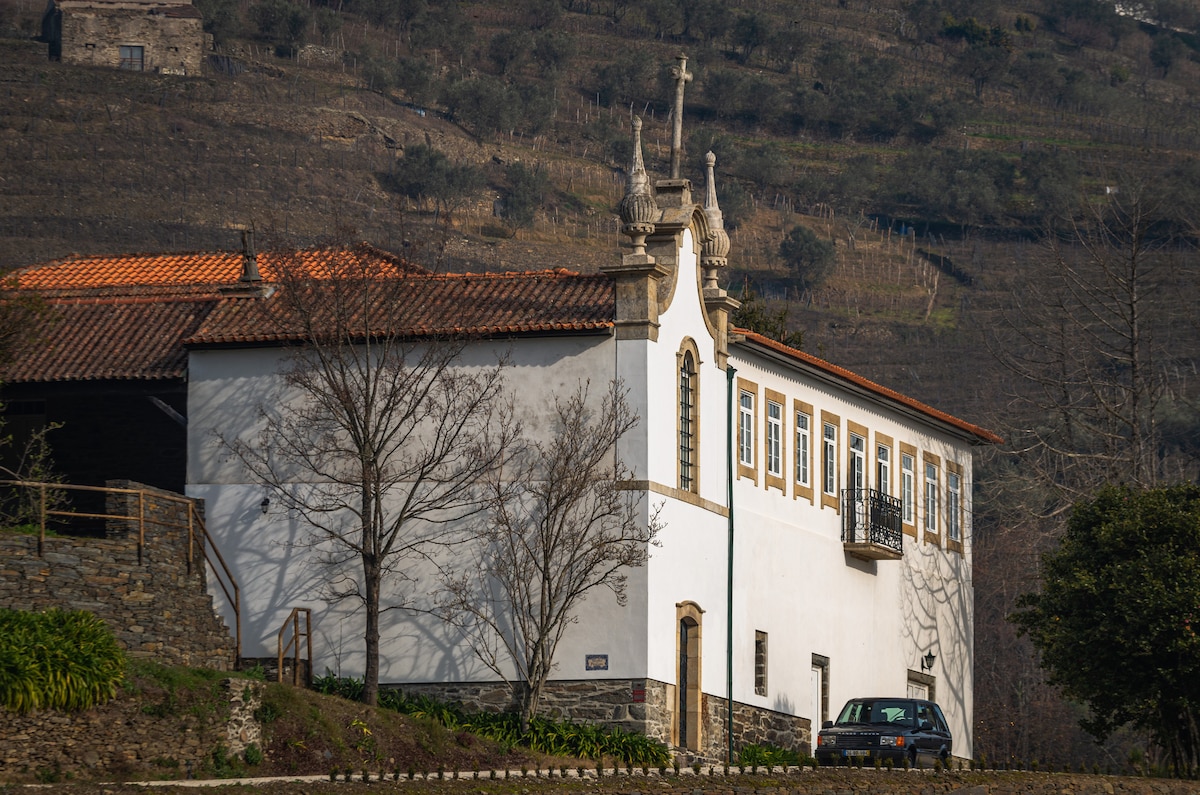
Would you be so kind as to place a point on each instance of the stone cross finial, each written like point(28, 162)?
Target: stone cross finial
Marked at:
point(682, 77)
point(715, 250)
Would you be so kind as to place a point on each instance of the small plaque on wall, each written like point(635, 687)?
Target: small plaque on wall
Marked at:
point(596, 662)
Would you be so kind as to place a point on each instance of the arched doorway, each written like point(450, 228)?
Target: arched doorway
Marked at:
point(688, 708)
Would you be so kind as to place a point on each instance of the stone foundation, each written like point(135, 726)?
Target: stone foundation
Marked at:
point(642, 705)
point(119, 737)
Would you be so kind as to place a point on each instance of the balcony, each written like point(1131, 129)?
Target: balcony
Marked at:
point(871, 525)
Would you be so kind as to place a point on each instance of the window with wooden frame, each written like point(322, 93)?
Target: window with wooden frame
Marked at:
point(883, 463)
point(802, 455)
point(688, 426)
point(773, 441)
point(747, 422)
point(954, 506)
point(908, 489)
point(856, 457)
point(830, 458)
point(932, 506)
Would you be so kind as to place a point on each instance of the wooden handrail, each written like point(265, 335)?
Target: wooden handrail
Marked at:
point(194, 520)
point(235, 599)
point(293, 645)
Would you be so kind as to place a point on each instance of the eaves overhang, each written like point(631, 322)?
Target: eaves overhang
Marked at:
point(851, 382)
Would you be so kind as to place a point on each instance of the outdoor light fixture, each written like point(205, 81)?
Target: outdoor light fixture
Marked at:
point(927, 661)
point(265, 505)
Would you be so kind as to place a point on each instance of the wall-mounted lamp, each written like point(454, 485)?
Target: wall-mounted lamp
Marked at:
point(265, 505)
point(927, 661)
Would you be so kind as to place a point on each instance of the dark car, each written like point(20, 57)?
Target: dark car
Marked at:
point(898, 729)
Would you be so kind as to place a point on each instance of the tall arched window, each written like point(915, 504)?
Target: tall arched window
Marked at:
point(687, 421)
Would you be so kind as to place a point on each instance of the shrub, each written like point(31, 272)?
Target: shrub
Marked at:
point(58, 659)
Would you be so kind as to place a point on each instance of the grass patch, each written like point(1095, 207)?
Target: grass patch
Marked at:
point(57, 659)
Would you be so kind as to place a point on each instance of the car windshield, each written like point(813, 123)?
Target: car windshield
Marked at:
point(898, 713)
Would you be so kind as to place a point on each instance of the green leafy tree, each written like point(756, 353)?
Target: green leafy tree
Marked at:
point(552, 49)
point(220, 19)
point(510, 50)
point(526, 191)
point(281, 21)
point(750, 32)
point(808, 257)
point(1117, 617)
point(485, 104)
point(426, 173)
point(754, 315)
point(627, 78)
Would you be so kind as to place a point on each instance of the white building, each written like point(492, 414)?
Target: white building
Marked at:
point(849, 516)
point(817, 527)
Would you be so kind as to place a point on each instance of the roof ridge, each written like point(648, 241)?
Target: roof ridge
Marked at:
point(880, 389)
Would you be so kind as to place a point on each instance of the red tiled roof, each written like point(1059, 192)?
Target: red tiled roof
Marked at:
point(452, 304)
point(841, 373)
point(131, 317)
point(184, 270)
point(110, 339)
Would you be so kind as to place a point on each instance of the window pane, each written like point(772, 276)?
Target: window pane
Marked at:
point(746, 429)
point(687, 417)
point(802, 447)
point(908, 486)
point(830, 458)
point(774, 439)
point(931, 497)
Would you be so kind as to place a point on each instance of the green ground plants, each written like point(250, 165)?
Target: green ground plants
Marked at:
point(564, 738)
point(57, 659)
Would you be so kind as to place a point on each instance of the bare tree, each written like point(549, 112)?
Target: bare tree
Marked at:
point(1100, 354)
point(381, 439)
point(1096, 347)
point(560, 525)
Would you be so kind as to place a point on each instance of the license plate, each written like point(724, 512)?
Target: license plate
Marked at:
point(856, 753)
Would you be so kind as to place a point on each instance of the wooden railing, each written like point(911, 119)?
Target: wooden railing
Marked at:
point(197, 533)
point(301, 629)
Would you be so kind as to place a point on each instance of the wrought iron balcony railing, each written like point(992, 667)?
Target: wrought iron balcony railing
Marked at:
point(871, 524)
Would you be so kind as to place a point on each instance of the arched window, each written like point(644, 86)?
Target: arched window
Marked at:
point(687, 421)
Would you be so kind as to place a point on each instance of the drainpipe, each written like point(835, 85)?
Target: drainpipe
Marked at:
point(729, 373)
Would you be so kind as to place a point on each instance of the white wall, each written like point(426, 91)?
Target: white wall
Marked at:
point(792, 577)
point(278, 566)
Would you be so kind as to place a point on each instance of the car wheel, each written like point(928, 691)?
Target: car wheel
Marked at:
point(912, 758)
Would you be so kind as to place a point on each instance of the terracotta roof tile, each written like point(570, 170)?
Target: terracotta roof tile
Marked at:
point(131, 316)
point(472, 304)
point(841, 373)
point(183, 270)
point(110, 339)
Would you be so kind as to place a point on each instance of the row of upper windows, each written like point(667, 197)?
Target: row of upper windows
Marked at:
point(820, 476)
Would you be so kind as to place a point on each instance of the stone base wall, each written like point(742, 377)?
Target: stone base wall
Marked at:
point(752, 726)
point(120, 737)
point(643, 705)
point(154, 605)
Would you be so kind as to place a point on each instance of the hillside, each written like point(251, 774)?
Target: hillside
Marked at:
point(953, 151)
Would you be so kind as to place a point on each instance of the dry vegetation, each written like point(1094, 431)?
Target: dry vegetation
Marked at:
point(97, 161)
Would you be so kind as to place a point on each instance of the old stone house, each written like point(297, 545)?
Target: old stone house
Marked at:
point(163, 36)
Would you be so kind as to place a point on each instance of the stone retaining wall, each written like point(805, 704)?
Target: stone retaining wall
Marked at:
point(120, 737)
point(643, 705)
point(154, 605)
